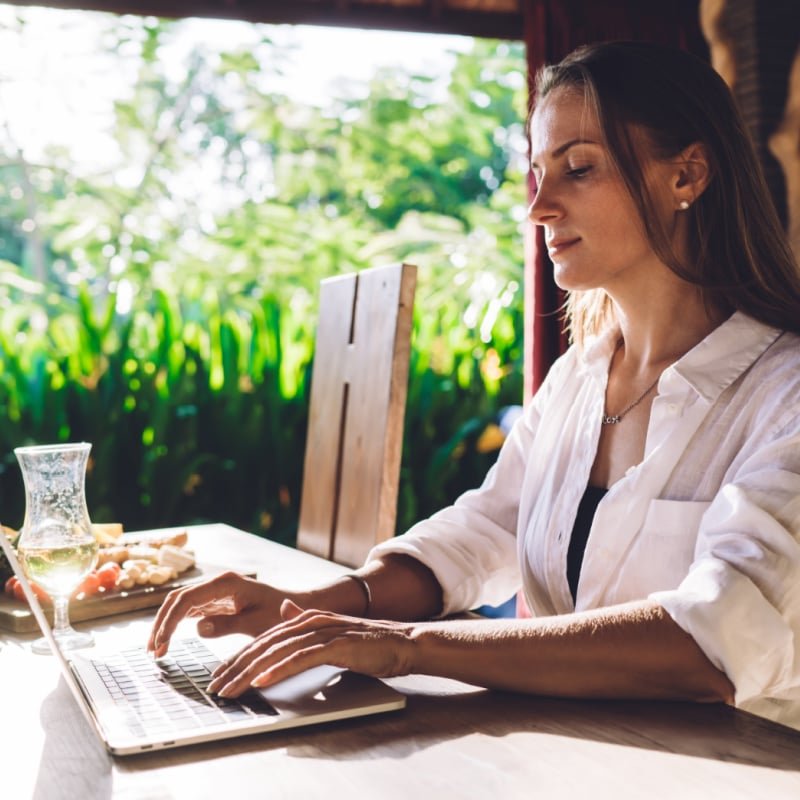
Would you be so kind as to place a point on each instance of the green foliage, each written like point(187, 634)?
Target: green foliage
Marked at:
point(163, 307)
point(188, 421)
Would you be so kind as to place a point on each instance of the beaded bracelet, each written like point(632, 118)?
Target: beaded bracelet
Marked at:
point(367, 591)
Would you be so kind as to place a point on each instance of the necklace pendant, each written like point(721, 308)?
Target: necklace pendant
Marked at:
point(611, 420)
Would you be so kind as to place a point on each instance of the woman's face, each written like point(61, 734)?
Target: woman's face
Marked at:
point(592, 228)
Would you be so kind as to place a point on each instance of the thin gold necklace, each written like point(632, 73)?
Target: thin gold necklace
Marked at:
point(613, 420)
point(617, 418)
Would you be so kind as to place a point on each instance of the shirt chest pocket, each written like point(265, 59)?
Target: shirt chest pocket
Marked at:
point(665, 546)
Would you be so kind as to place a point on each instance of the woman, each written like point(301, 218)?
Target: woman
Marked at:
point(648, 500)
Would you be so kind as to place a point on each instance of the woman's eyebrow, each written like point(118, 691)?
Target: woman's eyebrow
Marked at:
point(561, 149)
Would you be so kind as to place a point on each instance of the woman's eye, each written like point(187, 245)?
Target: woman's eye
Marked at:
point(579, 172)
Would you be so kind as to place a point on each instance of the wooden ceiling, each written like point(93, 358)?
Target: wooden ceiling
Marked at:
point(500, 19)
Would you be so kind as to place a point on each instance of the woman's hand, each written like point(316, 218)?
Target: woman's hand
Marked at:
point(310, 638)
point(227, 603)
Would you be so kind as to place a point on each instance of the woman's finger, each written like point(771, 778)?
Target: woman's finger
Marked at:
point(369, 647)
point(234, 676)
point(313, 638)
point(216, 607)
point(296, 662)
point(306, 621)
point(213, 625)
point(162, 627)
point(183, 602)
point(312, 649)
point(290, 610)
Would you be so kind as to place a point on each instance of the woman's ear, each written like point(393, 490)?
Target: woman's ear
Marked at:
point(692, 175)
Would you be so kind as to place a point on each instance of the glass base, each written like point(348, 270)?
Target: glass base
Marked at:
point(68, 639)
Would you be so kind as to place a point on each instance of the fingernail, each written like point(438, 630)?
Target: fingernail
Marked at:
point(161, 650)
point(226, 691)
point(205, 628)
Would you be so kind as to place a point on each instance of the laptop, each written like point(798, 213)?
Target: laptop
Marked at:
point(137, 704)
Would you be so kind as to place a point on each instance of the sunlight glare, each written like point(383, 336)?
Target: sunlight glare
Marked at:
point(58, 83)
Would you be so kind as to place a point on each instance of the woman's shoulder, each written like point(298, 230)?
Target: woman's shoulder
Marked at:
point(773, 382)
point(743, 345)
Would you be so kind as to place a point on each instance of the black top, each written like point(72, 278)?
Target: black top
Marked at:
point(580, 533)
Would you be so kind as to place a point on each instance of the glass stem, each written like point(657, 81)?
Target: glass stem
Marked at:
point(60, 615)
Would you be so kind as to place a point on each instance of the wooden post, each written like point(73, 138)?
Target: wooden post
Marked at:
point(358, 397)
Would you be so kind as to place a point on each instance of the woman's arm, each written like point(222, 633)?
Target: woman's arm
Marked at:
point(630, 651)
point(463, 556)
point(400, 587)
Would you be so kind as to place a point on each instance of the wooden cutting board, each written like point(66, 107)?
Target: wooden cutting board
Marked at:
point(17, 617)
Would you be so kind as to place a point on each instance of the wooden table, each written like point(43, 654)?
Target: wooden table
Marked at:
point(452, 740)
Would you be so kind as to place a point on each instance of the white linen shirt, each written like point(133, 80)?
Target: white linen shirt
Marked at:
point(707, 525)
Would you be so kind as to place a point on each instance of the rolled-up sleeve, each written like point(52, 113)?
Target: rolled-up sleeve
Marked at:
point(471, 546)
point(741, 598)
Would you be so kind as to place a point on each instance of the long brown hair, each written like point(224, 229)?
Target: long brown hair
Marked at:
point(740, 254)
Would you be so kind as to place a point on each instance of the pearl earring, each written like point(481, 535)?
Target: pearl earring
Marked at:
point(683, 205)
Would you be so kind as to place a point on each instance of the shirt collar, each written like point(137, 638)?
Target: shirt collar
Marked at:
point(596, 357)
point(718, 360)
point(710, 366)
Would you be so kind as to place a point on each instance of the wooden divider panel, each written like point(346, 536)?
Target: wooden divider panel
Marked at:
point(358, 395)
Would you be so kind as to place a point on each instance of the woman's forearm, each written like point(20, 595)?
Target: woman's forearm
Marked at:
point(631, 651)
point(400, 588)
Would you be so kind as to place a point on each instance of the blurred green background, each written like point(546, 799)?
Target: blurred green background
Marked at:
point(163, 308)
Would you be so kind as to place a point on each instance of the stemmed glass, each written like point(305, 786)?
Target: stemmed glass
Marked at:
point(56, 547)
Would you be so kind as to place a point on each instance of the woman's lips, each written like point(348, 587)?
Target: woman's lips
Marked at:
point(558, 246)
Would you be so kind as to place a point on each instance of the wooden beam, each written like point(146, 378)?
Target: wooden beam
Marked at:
point(433, 16)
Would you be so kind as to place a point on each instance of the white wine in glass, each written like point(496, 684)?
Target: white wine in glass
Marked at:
point(56, 548)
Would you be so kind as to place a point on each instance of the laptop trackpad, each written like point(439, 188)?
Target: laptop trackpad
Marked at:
point(301, 686)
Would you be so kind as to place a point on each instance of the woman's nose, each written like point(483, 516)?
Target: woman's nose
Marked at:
point(544, 207)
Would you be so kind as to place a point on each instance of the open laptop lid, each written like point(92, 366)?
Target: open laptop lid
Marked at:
point(47, 632)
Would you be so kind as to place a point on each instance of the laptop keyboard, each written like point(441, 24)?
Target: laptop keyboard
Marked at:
point(169, 695)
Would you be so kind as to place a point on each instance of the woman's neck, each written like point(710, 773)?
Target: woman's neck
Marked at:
point(657, 333)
